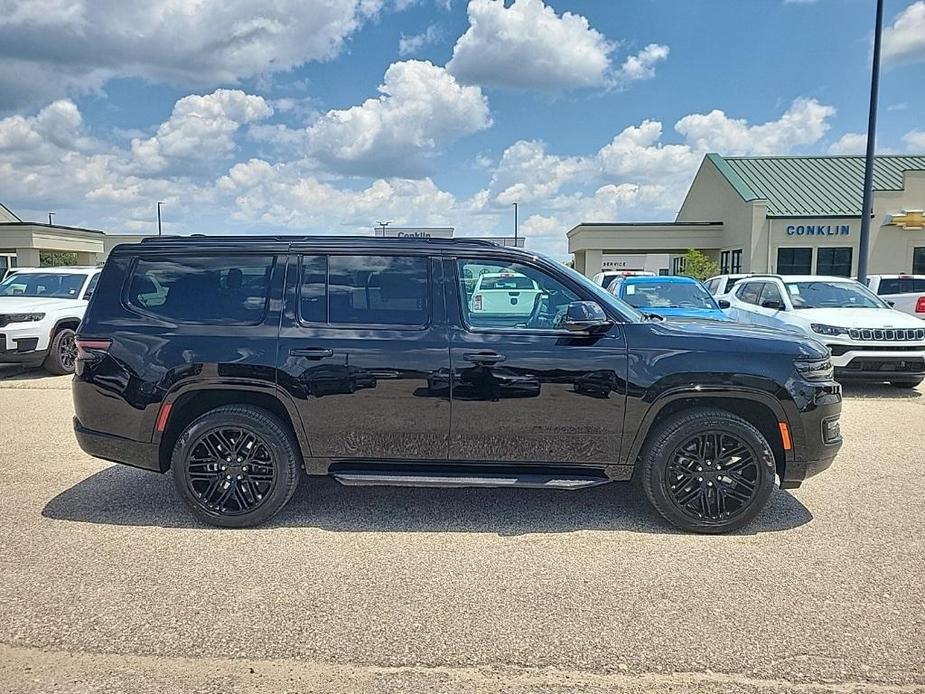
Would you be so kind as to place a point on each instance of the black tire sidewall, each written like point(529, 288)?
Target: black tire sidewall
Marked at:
point(278, 439)
point(52, 362)
point(675, 431)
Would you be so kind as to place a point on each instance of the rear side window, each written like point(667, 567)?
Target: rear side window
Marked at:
point(901, 285)
point(365, 290)
point(215, 289)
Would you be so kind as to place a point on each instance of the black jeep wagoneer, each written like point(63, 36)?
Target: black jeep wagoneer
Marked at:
point(239, 362)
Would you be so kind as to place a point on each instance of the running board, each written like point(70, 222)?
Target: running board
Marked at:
point(362, 478)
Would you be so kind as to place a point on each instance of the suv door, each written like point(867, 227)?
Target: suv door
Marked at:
point(523, 388)
point(363, 343)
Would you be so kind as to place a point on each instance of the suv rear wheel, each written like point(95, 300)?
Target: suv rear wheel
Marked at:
point(707, 471)
point(236, 466)
point(61, 353)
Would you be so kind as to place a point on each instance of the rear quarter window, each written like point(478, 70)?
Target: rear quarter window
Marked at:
point(190, 289)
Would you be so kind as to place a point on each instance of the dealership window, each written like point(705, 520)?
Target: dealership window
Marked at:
point(794, 261)
point(724, 262)
point(735, 266)
point(918, 261)
point(834, 261)
point(678, 265)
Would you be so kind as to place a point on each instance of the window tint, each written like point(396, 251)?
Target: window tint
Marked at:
point(377, 290)
point(834, 261)
point(217, 289)
point(794, 261)
point(92, 286)
point(749, 292)
point(313, 303)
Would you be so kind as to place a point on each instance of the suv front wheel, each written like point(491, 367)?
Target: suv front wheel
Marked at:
point(236, 466)
point(707, 471)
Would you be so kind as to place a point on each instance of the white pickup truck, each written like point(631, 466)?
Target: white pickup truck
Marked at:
point(905, 293)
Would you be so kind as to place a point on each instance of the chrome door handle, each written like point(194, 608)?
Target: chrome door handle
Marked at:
point(311, 352)
point(484, 357)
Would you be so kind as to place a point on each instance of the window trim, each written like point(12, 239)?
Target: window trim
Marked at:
point(328, 325)
point(127, 303)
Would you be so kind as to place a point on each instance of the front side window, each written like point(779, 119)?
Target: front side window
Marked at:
point(365, 290)
point(749, 292)
point(794, 261)
point(831, 295)
point(215, 289)
point(49, 285)
point(834, 261)
point(770, 292)
point(511, 295)
point(92, 286)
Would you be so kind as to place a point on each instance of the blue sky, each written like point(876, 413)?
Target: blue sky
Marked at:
point(326, 116)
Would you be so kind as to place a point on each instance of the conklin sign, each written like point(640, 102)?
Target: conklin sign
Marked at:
point(818, 230)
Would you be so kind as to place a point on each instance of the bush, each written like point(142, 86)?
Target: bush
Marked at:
point(698, 265)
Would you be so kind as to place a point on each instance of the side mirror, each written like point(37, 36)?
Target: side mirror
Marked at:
point(586, 317)
point(723, 303)
point(772, 304)
point(891, 303)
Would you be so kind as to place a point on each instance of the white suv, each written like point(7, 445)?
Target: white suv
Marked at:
point(721, 285)
point(40, 309)
point(867, 338)
point(905, 293)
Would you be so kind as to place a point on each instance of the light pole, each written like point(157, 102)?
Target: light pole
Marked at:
point(382, 226)
point(515, 223)
point(159, 217)
point(867, 204)
point(50, 217)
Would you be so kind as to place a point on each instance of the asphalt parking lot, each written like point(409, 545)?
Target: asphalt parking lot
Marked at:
point(108, 585)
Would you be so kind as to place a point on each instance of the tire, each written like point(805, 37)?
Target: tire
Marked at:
point(911, 383)
point(230, 490)
point(61, 353)
point(720, 501)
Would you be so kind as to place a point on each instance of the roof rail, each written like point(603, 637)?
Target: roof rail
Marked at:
point(464, 241)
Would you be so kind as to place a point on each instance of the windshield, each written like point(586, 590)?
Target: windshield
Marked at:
point(51, 285)
point(601, 295)
point(655, 295)
point(506, 282)
point(832, 295)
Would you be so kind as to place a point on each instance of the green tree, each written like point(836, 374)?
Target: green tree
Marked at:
point(56, 258)
point(699, 265)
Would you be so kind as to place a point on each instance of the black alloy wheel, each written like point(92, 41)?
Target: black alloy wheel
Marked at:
point(67, 348)
point(713, 476)
point(236, 466)
point(707, 470)
point(230, 470)
point(62, 352)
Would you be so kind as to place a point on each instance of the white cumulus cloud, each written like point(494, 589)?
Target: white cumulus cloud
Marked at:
point(528, 46)
point(849, 143)
point(421, 107)
point(915, 141)
point(641, 66)
point(904, 40)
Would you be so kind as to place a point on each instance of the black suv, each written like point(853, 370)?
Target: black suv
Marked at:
point(238, 362)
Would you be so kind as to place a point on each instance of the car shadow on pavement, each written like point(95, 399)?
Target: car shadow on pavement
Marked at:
point(125, 496)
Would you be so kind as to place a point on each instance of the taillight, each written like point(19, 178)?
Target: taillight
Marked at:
point(920, 305)
point(477, 302)
point(89, 349)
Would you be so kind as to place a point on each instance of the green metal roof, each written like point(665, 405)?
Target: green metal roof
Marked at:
point(812, 186)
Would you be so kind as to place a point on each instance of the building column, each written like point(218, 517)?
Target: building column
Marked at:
point(579, 261)
point(27, 257)
point(594, 260)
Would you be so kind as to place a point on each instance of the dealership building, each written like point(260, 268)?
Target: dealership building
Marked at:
point(787, 215)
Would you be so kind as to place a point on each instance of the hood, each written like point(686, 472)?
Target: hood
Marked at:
point(673, 313)
point(743, 337)
point(872, 318)
point(36, 304)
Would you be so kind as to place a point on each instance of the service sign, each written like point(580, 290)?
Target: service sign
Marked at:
point(612, 261)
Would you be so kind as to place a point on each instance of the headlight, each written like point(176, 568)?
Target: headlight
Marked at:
point(828, 329)
point(816, 370)
point(23, 317)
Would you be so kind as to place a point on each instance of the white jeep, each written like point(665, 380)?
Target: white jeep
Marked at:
point(40, 309)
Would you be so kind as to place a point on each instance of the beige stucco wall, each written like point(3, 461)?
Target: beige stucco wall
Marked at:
point(891, 246)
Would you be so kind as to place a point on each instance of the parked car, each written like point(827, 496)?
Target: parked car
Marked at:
point(215, 380)
point(607, 276)
point(905, 293)
point(40, 310)
point(868, 339)
point(720, 285)
point(669, 297)
point(503, 293)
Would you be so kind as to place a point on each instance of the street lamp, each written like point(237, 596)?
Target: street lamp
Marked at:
point(382, 226)
point(50, 217)
point(867, 204)
point(159, 203)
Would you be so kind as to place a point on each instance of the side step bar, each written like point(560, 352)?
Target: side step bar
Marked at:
point(362, 478)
